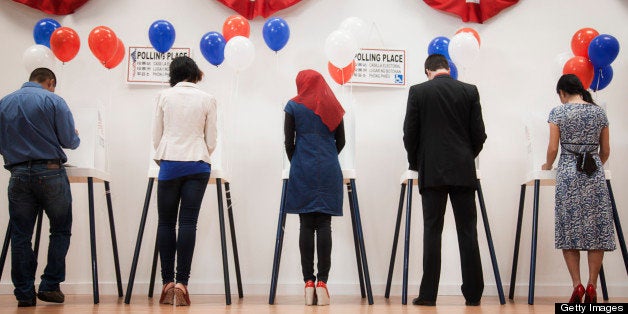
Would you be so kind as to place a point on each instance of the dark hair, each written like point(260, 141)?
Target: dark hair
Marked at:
point(571, 84)
point(184, 69)
point(40, 75)
point(435, 62)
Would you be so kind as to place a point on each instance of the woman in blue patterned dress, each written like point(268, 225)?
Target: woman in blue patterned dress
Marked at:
point(583, 213)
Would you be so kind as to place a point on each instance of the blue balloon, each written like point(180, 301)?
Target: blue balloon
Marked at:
point(439, 45)
point(601, 79)
point(603, 49)
point(43, 30)
point(213, 47)
point(453, 70)
point(161, 34)
point(276, 33)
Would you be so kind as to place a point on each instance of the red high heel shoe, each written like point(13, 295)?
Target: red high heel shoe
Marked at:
point(590, 295)
point(578, 293)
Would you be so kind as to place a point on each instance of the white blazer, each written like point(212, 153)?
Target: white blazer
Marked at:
point(184, 126)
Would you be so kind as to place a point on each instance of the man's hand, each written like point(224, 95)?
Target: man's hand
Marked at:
point(546, 166)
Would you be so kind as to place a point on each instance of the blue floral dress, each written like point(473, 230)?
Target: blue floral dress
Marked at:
point(583, 213)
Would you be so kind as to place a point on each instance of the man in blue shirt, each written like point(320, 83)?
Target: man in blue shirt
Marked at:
point(35, 124)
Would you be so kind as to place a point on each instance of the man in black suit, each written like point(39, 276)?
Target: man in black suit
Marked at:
point(443, 133)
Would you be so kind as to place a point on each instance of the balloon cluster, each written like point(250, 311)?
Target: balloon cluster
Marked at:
point(64, 43)
point(342, 45)
point(106, 46)
point(462, 50)
point(234, 45)
point(593, 54)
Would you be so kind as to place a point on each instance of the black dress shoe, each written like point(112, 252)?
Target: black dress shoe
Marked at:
point(471, 303)
point(419, 301)
point(25, 303)
point(51, 296)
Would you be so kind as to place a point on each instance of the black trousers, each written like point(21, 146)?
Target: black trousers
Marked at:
point(463, 202)
point(321, 224)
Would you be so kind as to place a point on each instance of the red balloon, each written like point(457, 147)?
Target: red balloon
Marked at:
point(103, 43)
point(581, 40)
point(236, 25)
point(582, 68)
point(65, 43)
point(117, 57)
point(341, 76)
point(472, 31)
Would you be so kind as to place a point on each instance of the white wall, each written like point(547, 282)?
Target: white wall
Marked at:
point(516, 74)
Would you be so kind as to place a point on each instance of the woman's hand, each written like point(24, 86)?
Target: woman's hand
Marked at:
point(546, 166)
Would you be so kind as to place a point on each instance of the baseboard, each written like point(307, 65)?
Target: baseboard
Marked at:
point(141, 288)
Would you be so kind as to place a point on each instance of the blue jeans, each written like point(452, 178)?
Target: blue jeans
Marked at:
point(32, 189)
point(187, 191)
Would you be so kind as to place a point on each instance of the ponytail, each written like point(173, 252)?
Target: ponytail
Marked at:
point(571, 84)
point(586, 96)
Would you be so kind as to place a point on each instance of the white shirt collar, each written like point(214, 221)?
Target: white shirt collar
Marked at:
point(186, 84)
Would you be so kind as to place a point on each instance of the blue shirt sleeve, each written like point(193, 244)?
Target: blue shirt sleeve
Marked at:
point(64, 124)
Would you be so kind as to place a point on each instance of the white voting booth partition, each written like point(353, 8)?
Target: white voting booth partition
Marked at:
point(347, 164)
point(87, 164)
point(218, 176)
point(536, 141)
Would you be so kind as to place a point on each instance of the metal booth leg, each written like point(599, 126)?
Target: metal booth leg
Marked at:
point(92, 237)
point(234, 243)
point(223, 242)
point(360, 231)
point(393, 254)
point(406, 245)
point(603, 283)
point(114, 242)
point(356, 240)
point(491, 248)
point(138, 242)
point(515, 256)
point(281, 224)
point(620, 233)
point(153, 269)
point(535, 231)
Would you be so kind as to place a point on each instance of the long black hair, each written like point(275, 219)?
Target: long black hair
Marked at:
point(571, 84)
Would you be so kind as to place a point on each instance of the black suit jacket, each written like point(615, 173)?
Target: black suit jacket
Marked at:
point(443, 132)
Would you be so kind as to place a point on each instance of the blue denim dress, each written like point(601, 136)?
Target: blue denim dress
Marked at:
point(315, 183)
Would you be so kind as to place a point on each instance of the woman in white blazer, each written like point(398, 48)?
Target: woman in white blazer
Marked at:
point(184, 137)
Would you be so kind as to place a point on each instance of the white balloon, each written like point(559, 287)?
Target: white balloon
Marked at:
point(239, 53)
point(340, 48)
point(38, 56)
point(464, 49)
point(560, 61)
point(356, 27)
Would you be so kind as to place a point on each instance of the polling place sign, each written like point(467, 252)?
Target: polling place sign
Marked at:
point(148, 66)
point(379, 67)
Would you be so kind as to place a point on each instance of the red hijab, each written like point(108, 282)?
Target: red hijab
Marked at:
point(314, 93)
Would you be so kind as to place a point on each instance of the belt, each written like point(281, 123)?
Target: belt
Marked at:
point(38, 162)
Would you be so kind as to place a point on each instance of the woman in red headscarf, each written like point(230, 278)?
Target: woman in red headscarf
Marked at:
point(314, 135)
